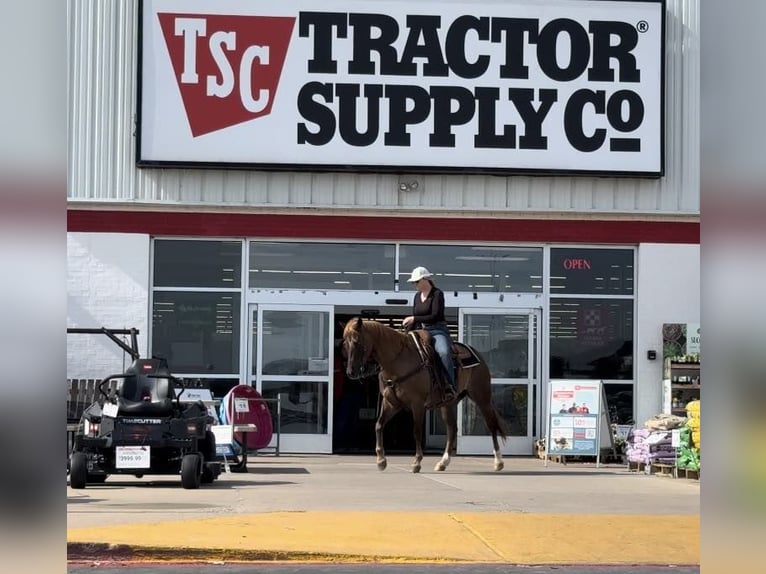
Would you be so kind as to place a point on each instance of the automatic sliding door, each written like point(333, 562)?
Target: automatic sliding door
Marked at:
point(291, 358)
point(508, 341)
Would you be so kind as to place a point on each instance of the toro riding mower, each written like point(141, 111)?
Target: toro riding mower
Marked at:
point(144, 428)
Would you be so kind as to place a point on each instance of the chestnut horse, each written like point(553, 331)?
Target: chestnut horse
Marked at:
point(405, 383)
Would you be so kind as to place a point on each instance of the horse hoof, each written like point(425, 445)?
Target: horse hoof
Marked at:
point(382, 465)
point(499, 466)
point(415, 468)
point(440, 467)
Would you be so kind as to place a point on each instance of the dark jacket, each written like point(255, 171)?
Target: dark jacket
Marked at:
point(430, 311)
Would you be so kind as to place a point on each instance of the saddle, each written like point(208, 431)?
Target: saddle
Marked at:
point(463, 357)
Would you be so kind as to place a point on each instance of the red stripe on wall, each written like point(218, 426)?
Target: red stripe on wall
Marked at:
point(303, 226)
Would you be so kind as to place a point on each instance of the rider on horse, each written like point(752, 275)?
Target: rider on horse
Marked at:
point(428, 314)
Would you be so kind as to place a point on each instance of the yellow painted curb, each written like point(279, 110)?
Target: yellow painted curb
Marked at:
point(410, 536)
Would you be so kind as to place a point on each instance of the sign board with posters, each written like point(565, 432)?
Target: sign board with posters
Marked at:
point(681, 341)
point(578, 422)
point(549, 86)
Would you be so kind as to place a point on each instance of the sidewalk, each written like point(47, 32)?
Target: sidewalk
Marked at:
point(343, 509)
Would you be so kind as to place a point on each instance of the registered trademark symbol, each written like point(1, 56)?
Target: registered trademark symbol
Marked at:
point(642, 26)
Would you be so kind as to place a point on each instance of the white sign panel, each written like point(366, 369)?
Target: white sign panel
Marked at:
point(527, 86)
point(574, 409)
point(132, 457)
point(693, 338)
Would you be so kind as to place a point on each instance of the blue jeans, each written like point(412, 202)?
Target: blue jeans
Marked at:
point(443, 346)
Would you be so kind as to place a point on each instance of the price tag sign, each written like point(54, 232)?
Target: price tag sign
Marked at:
point(110, 410)
point(133, 456)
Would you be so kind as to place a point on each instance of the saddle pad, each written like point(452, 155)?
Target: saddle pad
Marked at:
point(466, 355)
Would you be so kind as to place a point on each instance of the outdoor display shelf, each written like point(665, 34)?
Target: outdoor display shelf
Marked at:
point(669, 444)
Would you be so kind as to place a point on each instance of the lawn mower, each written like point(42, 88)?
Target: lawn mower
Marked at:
point(144, 428)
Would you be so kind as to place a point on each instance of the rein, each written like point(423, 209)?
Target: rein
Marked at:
point(424, 364)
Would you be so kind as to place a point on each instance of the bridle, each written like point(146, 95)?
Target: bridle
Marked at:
point(368, 367)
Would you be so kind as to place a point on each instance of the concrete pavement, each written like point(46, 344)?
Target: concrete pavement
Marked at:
point(337, 508)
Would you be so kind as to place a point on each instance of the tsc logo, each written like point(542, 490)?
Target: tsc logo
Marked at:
point(227, 67)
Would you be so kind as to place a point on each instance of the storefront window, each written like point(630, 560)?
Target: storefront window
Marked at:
point(218, 387)
point(619, 399)
point(296, 343)
point(345, 266)
point(304, 406)
point(476, 269)
point(197, 332)
point(503, 341)
point(511, 402)
point(576, 271)
point(181, 263)
point(591, 338)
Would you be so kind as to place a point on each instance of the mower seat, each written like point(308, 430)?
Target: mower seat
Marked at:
point(141, 395)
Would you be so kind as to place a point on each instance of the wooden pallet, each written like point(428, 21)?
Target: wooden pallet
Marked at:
point(81, 393)
point(662, 469)
point(688, 473)
point(639, 467)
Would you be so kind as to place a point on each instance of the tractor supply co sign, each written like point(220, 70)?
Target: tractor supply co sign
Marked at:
point(529, 86)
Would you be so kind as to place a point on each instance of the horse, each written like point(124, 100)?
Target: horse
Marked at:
point(405, 381)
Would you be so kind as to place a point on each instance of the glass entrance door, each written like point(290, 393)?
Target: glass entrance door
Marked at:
point(509, 342)
point(291, 356)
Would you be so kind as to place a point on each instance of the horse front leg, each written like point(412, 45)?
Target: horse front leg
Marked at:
point(387, 411)
point(450, 448)
point(419, 417)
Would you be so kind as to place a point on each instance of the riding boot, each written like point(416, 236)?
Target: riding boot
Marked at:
point(448, 393)
point(445, 395)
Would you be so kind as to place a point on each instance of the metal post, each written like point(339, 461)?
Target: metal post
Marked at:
point(279, 420)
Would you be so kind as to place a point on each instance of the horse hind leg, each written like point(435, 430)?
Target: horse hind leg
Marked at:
point(449, 417)
point(418, 417)
point(493, 424)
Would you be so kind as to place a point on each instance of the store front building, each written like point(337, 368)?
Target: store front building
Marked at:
point(270, 314)
point(241, 250)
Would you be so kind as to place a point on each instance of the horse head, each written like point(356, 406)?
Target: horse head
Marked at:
point(359, 347)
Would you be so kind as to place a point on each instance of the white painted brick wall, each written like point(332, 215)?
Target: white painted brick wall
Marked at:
point(668, 292)
point(107, 286)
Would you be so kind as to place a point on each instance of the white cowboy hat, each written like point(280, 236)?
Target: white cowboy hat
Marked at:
point(419, 273)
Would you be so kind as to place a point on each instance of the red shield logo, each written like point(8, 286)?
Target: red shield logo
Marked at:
point(227, 67)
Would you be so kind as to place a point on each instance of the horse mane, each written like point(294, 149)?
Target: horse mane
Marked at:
point(383, 334)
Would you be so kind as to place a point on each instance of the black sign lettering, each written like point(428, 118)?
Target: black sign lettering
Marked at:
point(513, 30)
point(486, 137)
point(573, 120)
point(634, 119)
point(322, 24)
point(401, 115)
point(579, 50)
point(533, 118)
point(313, 111)
point(604, 52)
point(347, 99)
point(365, 43)
point(430, 49)
point(456, 46)
point(422, 45)
point(445, 118)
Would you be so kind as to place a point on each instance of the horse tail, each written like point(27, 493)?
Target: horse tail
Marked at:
point(495, 423)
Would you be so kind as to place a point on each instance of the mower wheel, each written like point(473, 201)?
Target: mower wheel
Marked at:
point(78, 470)
point(208, 476)
point(190, 471)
